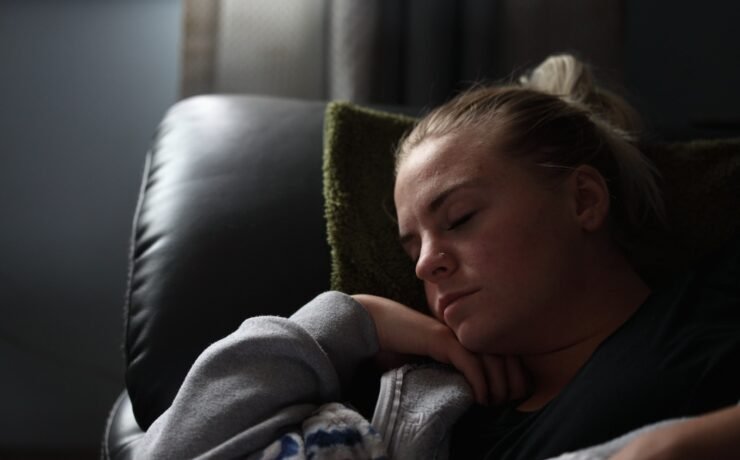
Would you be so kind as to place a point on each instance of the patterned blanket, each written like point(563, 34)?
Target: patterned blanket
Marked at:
point(333, 432)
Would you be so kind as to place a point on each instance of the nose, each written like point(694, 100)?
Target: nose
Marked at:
point(434, 265)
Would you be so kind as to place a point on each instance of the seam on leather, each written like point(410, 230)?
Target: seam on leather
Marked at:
point(146, 179)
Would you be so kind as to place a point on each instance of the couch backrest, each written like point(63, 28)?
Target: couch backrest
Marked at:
point(229, 225)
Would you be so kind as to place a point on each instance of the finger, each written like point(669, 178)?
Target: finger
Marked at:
point(517, 378)
point(472, 368)
point(495, 371)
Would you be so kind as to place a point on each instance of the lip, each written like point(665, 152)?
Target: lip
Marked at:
point(447, 299)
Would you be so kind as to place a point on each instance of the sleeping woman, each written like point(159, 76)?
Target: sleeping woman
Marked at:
point(518, 205)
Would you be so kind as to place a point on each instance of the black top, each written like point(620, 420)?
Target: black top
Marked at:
point(678, 355)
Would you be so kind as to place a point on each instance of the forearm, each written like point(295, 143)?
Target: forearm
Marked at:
point(715, 435)
point(247, 389)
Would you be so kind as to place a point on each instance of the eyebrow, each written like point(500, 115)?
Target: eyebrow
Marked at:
point(439, 200)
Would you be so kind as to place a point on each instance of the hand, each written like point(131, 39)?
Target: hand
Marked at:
point(400, 329)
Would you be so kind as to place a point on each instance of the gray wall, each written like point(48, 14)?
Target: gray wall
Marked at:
point(82, 87)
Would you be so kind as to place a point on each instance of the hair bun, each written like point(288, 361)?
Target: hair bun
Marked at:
point(561, 75)
point(566, 77)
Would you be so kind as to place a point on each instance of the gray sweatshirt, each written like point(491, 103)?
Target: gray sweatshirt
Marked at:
point(265, 379)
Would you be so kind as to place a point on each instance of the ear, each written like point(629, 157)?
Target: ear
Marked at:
point(590, 197)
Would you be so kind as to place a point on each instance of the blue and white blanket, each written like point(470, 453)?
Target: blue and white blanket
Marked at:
point(332, 432)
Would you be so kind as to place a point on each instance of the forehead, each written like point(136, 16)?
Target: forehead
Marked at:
point(440, 163)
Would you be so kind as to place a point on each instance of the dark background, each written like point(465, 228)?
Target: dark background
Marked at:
point(82, 87)
point(83, 84)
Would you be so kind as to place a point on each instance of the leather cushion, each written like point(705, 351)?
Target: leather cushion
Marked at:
point(229, 225)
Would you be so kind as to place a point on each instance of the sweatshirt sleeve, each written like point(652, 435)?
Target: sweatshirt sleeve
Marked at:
point(249, 388)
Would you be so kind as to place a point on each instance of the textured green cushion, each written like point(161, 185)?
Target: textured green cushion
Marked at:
point(358, 192)
point(701, 189)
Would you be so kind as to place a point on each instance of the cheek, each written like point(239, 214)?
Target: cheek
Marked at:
point(503, 257)
point(513, 251)
point(503, 243)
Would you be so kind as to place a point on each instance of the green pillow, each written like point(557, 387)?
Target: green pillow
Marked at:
point(358, 193)
point(701, 184)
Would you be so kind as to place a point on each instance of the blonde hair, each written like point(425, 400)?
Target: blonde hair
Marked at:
point(557, 119)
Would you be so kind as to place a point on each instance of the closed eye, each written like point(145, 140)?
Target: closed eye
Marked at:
point(461, 221)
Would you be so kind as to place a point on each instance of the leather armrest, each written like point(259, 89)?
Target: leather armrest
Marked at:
point(121, 431)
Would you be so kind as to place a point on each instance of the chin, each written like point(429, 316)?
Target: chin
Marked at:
point(477, 341)
point(472, 340)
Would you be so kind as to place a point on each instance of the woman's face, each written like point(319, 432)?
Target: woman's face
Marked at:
point(496, 249)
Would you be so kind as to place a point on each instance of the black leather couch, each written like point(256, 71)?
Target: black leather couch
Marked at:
point(229, 224)
point(230, 213)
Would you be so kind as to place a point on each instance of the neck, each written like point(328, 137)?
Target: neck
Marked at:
point(606, 300)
